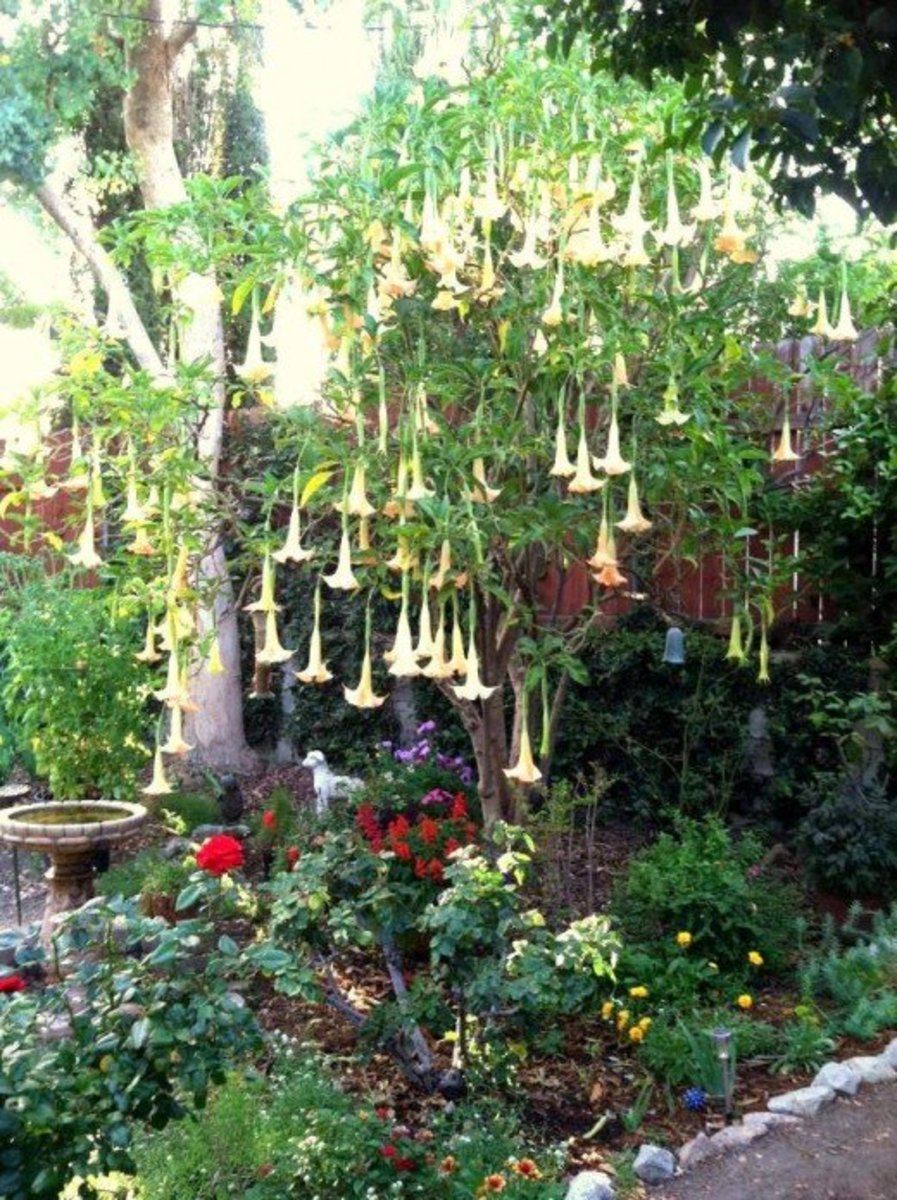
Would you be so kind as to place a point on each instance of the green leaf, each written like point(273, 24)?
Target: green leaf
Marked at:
point(139, 1033)
point(314, 484)
point(188, 896)
point(241, 291)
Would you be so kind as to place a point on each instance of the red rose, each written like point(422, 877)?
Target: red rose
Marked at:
point(404, 1164)
point(429, 830)
point(12, 983)
point(219, 854)
point(388, 1151)
point(434, 869)
point(293, 856)
point(383, 1112)
point(269, 818)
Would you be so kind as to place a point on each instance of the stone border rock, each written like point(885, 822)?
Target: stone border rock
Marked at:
point(654, 1164)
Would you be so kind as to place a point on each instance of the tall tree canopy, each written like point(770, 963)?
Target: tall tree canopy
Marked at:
point(806, 87)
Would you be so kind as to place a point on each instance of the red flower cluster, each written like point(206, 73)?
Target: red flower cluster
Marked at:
point(269, 818)
point(293, 856)
point(424, 845)
point(219, 854)
point(12, 983)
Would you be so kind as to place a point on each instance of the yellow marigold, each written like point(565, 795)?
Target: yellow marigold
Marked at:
point(755, 958)
point(684, 939)
point(638, 993)
point(448, 1164)
point(745, 1001)
point(622, 1019)
point(645, 1023)
point(636, 1034)
point(607, 1009)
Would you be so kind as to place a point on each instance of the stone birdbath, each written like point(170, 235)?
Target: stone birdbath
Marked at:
point(70, 832)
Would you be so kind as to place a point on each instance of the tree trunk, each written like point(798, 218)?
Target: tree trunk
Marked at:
point(217, 729)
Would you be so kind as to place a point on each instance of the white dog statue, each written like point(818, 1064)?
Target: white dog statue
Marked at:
point(328, 787)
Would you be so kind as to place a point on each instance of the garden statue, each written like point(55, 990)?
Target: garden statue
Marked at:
point(328, 787)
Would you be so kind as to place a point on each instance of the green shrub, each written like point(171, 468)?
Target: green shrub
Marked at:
point(193, 808)
point(296, 1134)
point(73, 689)
point(703, 882)
point(848, 839)
point(154, 1033)
point(679, 1051)
point(146, 873)
point(855, 986)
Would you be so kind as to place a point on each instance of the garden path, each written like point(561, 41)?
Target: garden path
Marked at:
point(847, 1152)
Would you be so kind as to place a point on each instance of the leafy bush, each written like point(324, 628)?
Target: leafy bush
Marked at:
point(848, 839)
point(193, 808)
point(680, 1052)
point(146, 874)
point(488, 953)
point(856, 986)
point(74, 691)
point(152, 1032)
point(296, 1134)
point(701, 882)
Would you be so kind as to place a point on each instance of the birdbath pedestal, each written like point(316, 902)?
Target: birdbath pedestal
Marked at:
point(70, 832)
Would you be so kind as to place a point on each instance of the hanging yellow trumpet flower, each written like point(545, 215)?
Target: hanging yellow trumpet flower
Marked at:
point(457, 664)
point(763, 672)
point(602, 556)
point(356, 503)
point(292, 549)
point(418, 489)
point(821, 326)
point(363, 696)
point(801, 305)
point(635, 521)
point(554, 313)
point(439, 667)
point(845, 330)
point(159, 785)
point(343, 578)
point(266, 602)
point(583, 480)
point(316, 671)
point(176, 743)
point(731, 240)
point(562, 467)
point(620, 375)
point(254, 370)
point(671, 413)
point(472, 688)
point(736, 651)
point(524, 770)
point(173, 692)
point(149, 653)
point(483, 494)
point(86, 555)
point(438, 578)
point(527, 258)
point(425, 642)
point(613, 462)
point(179, 584)
point(401, 657)
point(272, 651)
point(674, 233)
point(610, 575)
point(140, 544)
point(785, 452)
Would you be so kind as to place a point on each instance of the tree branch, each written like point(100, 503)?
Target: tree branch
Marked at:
point(183, 32)
point(107, 276)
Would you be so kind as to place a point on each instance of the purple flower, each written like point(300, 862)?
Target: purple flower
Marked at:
point(426, 727)
point(403, 756)
point(386, 745)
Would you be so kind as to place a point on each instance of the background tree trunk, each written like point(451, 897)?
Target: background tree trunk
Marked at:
point(217, 729)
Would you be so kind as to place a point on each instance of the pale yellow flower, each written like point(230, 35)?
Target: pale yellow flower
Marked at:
point(176, 743)
point(363, 696)
point(316, 671)
point(159, 785)
point(635, 520)
point(343, 578)
point(272, 651)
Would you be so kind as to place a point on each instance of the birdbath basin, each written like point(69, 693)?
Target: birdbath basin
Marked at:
point(70, 832)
